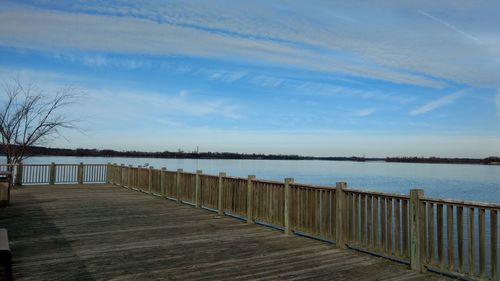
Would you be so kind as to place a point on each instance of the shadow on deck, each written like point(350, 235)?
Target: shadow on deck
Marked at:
point(102, 232)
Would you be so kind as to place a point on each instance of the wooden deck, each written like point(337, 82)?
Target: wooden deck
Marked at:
point(101, 232)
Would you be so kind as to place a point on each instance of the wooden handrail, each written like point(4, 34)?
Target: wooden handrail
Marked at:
point(402, 227)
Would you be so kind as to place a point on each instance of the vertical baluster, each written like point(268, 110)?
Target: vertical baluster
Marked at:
point(470, 244)
point(309, 206)
point(460, 239)
point(356, 219)
point(389, 226)
point(493, 244)
point(363, 220)
point(405, 228)
point(397, 226)
point(440, 235)
point(376, 241)
point(382, 224)
point(369, 224)
point(350, 203)
point(430, 229)
point(333, 217)
point(482, 240)
point(449, 233)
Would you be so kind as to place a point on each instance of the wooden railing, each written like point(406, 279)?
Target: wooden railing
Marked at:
point(412, 229)
point(378, 222)
point(459, 238)
point(57, 173)
point(456, 236)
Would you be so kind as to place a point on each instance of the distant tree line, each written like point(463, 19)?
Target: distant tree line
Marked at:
point(488, 161)
point(46, 151)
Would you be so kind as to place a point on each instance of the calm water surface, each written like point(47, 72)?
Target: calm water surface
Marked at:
point(466, 182)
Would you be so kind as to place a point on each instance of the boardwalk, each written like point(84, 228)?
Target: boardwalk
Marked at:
point(100, 232)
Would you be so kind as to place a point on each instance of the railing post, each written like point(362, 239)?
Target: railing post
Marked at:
point(52, 173)
point(129, 176)
point(220, 194)
point(197, 194)
point(19, 174)
point(108, 172)
point(250, 180)
point(80, 173)
point(113, 175)
point(122, 171)
point(150, 180)
point(137, 178)
point(178, 185)
point(162, 181)
point(341, 216)
point(288, 201)
point(416, 231)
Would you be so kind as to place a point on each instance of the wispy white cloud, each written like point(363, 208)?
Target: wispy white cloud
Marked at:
point(268, 81)
point(329, 27)
point(226, 75)
point(437, 103)
point(56, 30)
point(365, 112)
point(102, 61)
point(172, 104)
point(450, 26)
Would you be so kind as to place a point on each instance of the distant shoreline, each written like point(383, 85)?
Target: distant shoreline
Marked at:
point(79, 152)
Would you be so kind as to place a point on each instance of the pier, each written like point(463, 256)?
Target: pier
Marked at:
point(132, 223)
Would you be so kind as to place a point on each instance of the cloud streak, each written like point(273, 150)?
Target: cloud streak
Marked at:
point(56, 30)
point(450, 26)
point(328, 36)
point(437, 103)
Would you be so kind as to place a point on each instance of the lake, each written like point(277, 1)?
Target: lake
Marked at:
point(455, 181)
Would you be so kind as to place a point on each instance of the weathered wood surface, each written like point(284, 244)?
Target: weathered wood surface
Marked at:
point(101, 232)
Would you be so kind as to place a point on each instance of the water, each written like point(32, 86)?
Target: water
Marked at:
point(464, 182)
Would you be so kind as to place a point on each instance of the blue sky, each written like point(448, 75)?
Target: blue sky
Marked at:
point(313, 78)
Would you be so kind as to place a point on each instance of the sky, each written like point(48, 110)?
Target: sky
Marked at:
point(322, 78)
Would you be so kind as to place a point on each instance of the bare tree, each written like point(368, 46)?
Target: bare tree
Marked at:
point(28, 117)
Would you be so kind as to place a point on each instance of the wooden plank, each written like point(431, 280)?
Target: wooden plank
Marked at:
point(416, 254)
point(440, 245)
point(422, 233)
point(470, 240)
point(376, 241)
point(493, 245)
point(249, 199)
point(369, 223)
point(341, 215)
point(317, 212)
point(463, 203)
point(197, 189)
point(482, 240)
point(287, 207)
point(389, 226)
point(397, 227)
point(460, 238)
point(356, 218)
point(449, 234)
point(405, 228)
point(333, 217)
point(350, 219)
point(431, 255)
point(363, 220)
point(383, 225)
